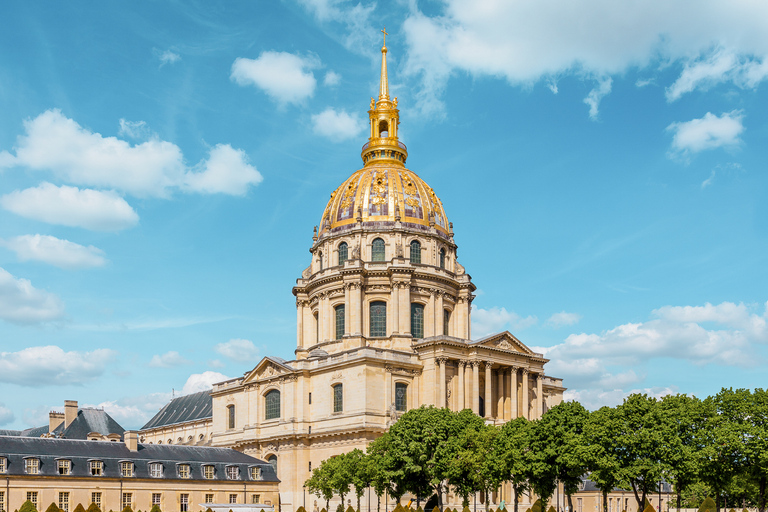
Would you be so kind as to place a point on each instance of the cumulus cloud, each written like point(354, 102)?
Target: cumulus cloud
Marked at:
point(337, 126)
point(70, 206)
point(725, 334)
point(22, 303)
point(561, 319)
point(170, 359)
point(54, 251)
point(709, 132)
point(202, 381)
point(50, 365)
point(59, 145)
point(284, 77)
point(331, 79)
point(238, 350)
point(135, 130)
point(493, 320)
point(527, 41)
point(6, 415)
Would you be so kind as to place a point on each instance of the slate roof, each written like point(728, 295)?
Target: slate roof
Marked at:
point(197, 406)
point(16, 449)
point(87, 421)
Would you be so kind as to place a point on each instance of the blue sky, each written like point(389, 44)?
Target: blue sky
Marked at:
point(162, 166)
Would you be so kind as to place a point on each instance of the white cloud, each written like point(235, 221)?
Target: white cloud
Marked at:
point(285, 77)
point(709, 132)
point(594, 399)
point(337, 126)
point(726, 334)
point(722, 65)
point(352, 15)
point(50, 365)
point(332, 79)
point(527, 41)
point(202, 381)
point(170, 359)
point(133, 412)
point(22, 303)
point(707, 182)
point(238, 350)
point(494, 320)
point(57, 144)
point(71, 206)
point(596, 95)
point(57, 252)
point(226, 171)
point(135, 130)
point(169, 57)
point(6, 415)
point(563, 318)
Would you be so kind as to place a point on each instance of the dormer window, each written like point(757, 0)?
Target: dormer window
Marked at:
point(97, 467)
point(64, 466)
point(255, 473)
point(156, 470)
point(208, 472)
point(233, 473)
point(32, 466)
point(183, 470)
point(126, 468)
point(3, 465)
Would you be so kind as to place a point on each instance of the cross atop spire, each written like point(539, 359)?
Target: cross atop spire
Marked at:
point(384, 31)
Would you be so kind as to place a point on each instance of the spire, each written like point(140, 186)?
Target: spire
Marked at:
point(384, 85)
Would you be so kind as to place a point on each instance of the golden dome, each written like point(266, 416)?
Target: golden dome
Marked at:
point(382, 194)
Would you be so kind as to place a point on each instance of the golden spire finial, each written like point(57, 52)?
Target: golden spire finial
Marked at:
point(384, 85)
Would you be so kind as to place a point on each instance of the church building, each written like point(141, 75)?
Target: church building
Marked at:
point(382, 326)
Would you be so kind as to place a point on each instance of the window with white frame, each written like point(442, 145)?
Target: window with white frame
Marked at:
point(233, 498)
point(255, 473)
point(64, 467)
point(156, 470)
point(208, 472)
point(32, 497)
point(233, 472)
point(208, 498)
point(2, 500)
point(255, 498)
point(97, 467)
point(183, 470)
point(64, 501)
point(3, 464)
point(32, 466)
point(126, 469)
point(96, 499)
point(156, 498)
point(127, 500)
point(183, 502)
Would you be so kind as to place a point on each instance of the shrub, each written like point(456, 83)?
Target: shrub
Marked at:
point(209, 509)
point(649, 508)
point(435, 509)
point(127, 509)
point(419, 509)
point(537, 506)
point(323, 510)
point(27, 506)
point(708, 505)
point(350, 509)
point(551, 509)
point(155, 508)
point(93, 508)
point(53, 508)
point(301, 509)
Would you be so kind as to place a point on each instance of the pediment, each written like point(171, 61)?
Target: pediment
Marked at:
point(504, 341)
point(267, 368)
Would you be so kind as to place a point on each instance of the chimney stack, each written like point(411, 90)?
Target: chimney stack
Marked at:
point(54, 420)
point(70, 412)
point(131, 439)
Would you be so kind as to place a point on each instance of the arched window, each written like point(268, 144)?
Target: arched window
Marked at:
point(320, 259)
point(343, 252)
point(446, 321)
point(377, 250)
point(378, 318)
point(339, 310)
point(415, 252)
point(442, 258)
point(401, 396)
point(272, 405)
point(383, 129)
point(417, 320)
point(338, 398)
point(231, 416)
point(272, 459)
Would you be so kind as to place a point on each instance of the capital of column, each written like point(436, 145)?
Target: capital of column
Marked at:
point(526, 371)
point(441, 360)
point(475, 363)
point(463, 362)
point(488, 365)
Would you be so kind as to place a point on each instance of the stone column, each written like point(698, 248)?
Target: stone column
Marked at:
point(526, 398)
point(439, 315)
point(500, 392)
point(460, 403)
point(441, 381)
point(347, 309)
point(300, 324)
point(460, 318)
point(328, 317)
point(405, 308)
point(476, 387)
point(429, 316)
point(357, 309)
point(513, 409)
point(320, 318)
point(539, 395)
point(488, 391)
point(395, 307)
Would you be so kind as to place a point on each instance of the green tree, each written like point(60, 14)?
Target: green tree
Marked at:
point(513, 449)
point(599, 449)
point(476, 467)
point(756, 443)
point(320, 483)
point(359, 470)
point(388, 476)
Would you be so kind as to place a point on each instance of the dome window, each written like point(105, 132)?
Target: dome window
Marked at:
point(320, 259)
point(343, 252)
point(415, 252)
point(339, 311)
point(377, 250)
point(417, 320)
point(442, 258)
point(378, 318)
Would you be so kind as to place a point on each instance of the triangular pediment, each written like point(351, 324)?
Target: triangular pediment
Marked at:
point(267, 368)
point(504, 341)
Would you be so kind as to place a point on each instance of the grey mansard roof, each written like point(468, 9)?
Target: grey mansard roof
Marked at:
point(15, 449)
point(88, 420)
point(197, 406)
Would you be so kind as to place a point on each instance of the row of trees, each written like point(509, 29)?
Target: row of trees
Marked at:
point(717, 446)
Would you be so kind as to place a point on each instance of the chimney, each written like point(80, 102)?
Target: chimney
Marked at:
point(131, 439)
point(54, 420)
point(70, 412)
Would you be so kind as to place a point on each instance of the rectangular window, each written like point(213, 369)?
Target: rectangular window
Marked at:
point(156, 497)
point(578, 505)
point(126, 469)
point(3, 465)
point(156, 470)
point(208, 498)
point(401, 396)
point(610, 504)
point(183, 502)
point(338, 398)
point(2, 500)
point(340, 311)
point(32, 496)
point(233, 498)
point(96, 499)
point(183, 470)
point(417, 321)
point(127, 500)
point(255, 498)
point(32, 466)
point(310, 466)
point(310, 399)
point(378, 319)
point(64, 466)
point(97, 468)
point(64, 501)
point(208, 472)
point(255, 473)
point(446, 322)
point(231, 416)
point(233, 472)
